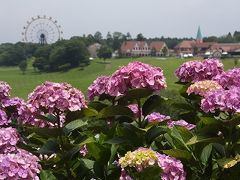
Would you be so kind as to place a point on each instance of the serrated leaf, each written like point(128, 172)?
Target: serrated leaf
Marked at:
point(206, 153)
point(74, 125)
point(114, 111)
point(178, 153)
point(47, 175)
point(200, 139)
point(49, 148)
point(45, 132)
point(151, 103)
point(153, 133)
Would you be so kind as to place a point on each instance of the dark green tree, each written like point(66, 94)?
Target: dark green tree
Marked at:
point(23, 66)
point(140, 37)
point(104, 53)
point(98, 36)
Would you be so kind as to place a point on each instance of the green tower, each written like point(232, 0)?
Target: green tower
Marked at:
point(199, 35)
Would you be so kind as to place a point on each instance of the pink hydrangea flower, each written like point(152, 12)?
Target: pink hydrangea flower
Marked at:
point(98, 87)
point(55, 98)
point(194, 71)
point(182, 123)
point(20, 165)
point(223, 100)
point(133, 75)
point(157, 117)
point(4, 120)
point(83, 151)
point(4, 90)
point(229, 79)
point(171, 167)
point(134, 109)
point(144, 157)
point(9, 137)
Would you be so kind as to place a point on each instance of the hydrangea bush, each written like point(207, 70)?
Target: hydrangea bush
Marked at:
point(127, 129)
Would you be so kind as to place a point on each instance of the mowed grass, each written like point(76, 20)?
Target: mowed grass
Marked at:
point(22, 85)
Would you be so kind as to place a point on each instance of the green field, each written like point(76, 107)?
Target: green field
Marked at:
point(22, 85)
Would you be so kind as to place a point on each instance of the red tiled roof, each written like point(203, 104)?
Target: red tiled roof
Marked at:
point(158, 45)
point(227, 47)
point(185, 44)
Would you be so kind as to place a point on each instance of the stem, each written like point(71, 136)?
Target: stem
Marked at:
point(140, 113)
point(62, 144)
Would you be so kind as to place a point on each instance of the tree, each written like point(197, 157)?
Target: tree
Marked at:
point(128, 36)
point(104, 52)
point(140, 37)
point(23, 66)
point(165, 51)
point(98, 36)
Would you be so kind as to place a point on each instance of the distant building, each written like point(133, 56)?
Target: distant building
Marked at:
point(144, 48)
point(93, 49)
point(200, 48)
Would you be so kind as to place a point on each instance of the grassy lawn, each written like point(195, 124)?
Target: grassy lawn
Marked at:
point(22, 85)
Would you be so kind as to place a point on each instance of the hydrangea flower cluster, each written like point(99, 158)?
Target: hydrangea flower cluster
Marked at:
point(56, 97)
point(134, 75)
point(4, 120)
point(20, 165)
point(181, 123)
point(203, 87)
point(229, 79)
point(139, 159)
point(8, 140)
point(193, 71)
point(83, 151)
point(157, 117)
point(134, 109)
point(4, 90)
point(143, 158)
point(172, 168)
point(223, 100)
point(98, 87)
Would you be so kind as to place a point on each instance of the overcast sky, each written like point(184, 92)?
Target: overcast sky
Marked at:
point(153, 18)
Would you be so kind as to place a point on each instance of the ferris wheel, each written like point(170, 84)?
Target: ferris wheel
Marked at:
point(42, 30)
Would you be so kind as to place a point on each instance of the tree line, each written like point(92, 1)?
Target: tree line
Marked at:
point(66, 54)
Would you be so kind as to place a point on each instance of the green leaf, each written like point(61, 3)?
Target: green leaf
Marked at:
point(175, 133)
point(49, 148)
point(97, 105)
point(114, 111)
point(116, 140)
point(135, 94)
point(202, 139)
point(150, 173)
point(74, 125)
point(151, 103)
point(47, 175)
point(178, 153)
point(206, 153)
point(153, 133)
point(88, 112)
point(45, 132)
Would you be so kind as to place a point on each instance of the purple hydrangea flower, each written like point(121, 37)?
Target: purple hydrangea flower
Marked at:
point(4, 90)
point(83, 151)
point(144, 157)
point(20, 165)
point(171, 167)
point(229, 79)
point(55, 98)
point(157, 117)
point(9, 137)
point(223, 100)
point(3, 118)
point(134, 109)
point(193, 71)
point(181, 123)
point(133, 75)
point(98, 87)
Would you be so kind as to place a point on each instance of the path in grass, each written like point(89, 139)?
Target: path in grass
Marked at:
point(22, 85)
